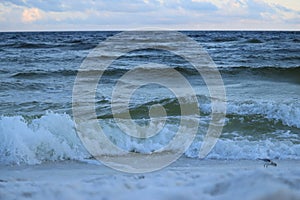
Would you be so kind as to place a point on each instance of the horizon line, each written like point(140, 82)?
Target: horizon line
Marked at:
point(107, 30)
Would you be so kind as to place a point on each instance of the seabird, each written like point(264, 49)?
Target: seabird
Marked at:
point(268, 162)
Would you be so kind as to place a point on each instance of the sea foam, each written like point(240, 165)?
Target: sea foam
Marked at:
point(49, 138)
point(53, 137)
point(287, 113)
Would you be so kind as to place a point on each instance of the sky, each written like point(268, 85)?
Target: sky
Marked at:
point(61, 15)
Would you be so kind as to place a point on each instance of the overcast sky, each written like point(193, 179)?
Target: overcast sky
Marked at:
point(37, 15)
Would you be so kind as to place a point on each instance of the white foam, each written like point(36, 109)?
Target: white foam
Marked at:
point(53, 137)
point(245, 149)
point(288, 113)
point(49, 138)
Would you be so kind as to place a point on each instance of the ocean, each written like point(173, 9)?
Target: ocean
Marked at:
point(260, 71)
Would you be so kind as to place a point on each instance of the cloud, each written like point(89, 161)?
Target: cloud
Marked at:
point(198, 6)
point(283, 15)
point(71, 5)
point(50, 5)
point(127, 14)
point(31, 15)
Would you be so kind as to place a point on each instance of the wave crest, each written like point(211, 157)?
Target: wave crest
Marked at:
point(49, 138)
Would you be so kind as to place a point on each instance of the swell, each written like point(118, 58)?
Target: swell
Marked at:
point(7, 86)
point(140, 111)
point(292, 72)
point(44, 74)
point(69, 45)
point(254, 41)
point(287, 74)
point(267, 115)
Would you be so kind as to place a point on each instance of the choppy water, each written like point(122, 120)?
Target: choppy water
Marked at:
point(260, 70)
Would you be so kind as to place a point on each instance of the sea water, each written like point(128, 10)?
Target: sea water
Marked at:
point(260, 71)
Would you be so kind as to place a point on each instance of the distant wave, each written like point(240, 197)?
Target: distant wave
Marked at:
point(296, 40)
point(24, 45)
point(289, 74)
point(4, 86)
point(290, 58)
point(3, 71)
point(254, 41)
point(225, 39)
point(69, 45)
point(285, 74)
point(264, 69)
point(41, 74)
